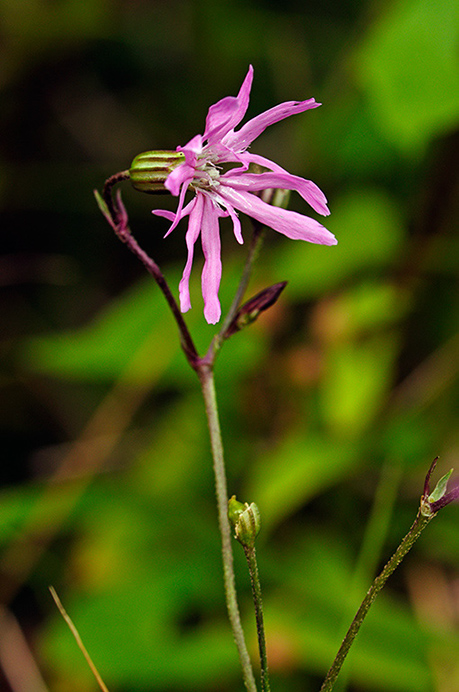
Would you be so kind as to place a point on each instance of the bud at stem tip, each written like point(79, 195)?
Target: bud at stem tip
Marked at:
point(150, 170)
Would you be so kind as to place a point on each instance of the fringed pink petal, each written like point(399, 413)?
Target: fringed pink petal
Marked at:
point(192, 234)
point(228, 112)
point(289, 223)
point(253, 182)
point(212, 270)
point(244, 137)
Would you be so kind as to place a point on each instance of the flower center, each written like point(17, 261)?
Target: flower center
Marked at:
point(206, 175)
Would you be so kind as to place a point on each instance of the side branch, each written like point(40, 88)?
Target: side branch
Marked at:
point(407, 543)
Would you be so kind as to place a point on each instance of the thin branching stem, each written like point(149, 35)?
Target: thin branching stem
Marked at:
point(251, 557)
point(119, 223)
point(407, 543)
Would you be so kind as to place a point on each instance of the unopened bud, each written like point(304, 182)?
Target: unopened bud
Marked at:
point(432, 502)
point(246, 521)
point(149, 170)
point(235, 509)
point(251, 310)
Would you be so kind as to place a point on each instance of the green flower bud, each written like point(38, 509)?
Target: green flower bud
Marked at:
point(149, 170)
point(246, 520)
point(235, 510)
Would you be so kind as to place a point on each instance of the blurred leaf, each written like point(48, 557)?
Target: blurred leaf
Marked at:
point(369, 232)
point(352, 146)
point(134, 593)
point(357, 381)
point(135, 336)
point(300, 466)
point(408, 438)
point(125, 335)
point(17, 505)
point(360, 310)
point(408, 66)
point(174, 460)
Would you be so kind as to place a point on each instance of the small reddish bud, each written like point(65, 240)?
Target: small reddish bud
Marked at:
point(251, 310)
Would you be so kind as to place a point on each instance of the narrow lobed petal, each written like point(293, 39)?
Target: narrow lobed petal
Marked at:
point(228, 112)
point(308, 190)
point(289, 223)
point(246, 158)
point(165, 213)
point(192, 234)
point(179, 214)
point(241, 139)
point(176, 216)
point(236, 223)
point(212, 270)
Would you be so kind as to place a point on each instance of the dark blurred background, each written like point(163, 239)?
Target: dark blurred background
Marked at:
point(333, 404)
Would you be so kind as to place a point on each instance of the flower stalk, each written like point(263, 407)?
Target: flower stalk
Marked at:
point(206, 379)
point(218, 170)
point(405, 546)
point(115, 213)
point(251, 558)
point(246, 521)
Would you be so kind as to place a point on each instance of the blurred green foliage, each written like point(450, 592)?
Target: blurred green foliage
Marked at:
point(333, 404)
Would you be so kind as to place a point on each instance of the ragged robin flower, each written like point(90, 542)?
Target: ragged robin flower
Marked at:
point(198, 168)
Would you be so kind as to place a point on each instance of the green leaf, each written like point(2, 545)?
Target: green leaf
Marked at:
point(284, 478)
point(408, 65)
point(120, 340)
point(357, 380)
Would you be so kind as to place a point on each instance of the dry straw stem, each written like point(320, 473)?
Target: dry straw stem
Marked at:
point(78, 640)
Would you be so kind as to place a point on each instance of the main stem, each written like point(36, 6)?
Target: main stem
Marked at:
point(407, 543)
point(206, 378)
point(116, 215)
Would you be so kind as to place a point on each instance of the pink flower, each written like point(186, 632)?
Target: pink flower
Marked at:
point(218, 194)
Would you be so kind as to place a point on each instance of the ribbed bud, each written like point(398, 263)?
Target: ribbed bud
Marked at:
point(246, 521)
point(149, 170)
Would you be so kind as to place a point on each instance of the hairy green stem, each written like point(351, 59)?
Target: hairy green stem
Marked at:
point(407, 543)
point(251, 557)
point(206, 378)
point(373, 540)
